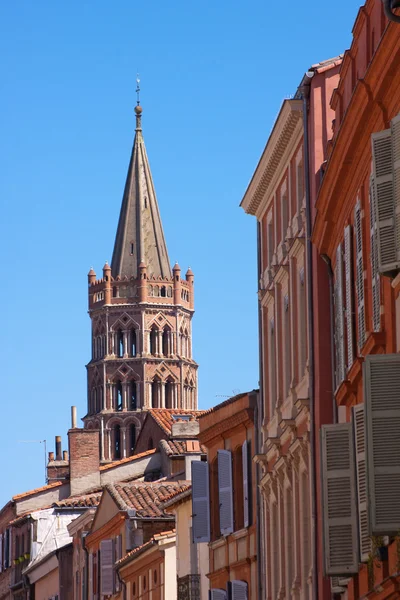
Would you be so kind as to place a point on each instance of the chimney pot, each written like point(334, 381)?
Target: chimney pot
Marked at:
point(51, 456)
point(65, 455)
point(73, 417)
point(58, 448)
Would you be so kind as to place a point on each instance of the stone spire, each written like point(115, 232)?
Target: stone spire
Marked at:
point(140, 236)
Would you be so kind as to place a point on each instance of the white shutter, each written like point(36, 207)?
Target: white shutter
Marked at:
point(217, 594)
point(245, 461)
point(359, 438)
point(1, 552)
point(376, 283)
point(90, 594)
point(339, 500)
point(384, 195)
point(106, 567)
point(339, 319)
point(200, 502)
point(359, 276)
point(348, 259)
point(237, 590)
point(225, 491)
point(382, 420)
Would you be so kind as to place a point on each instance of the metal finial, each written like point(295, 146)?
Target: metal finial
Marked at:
point(137, 89)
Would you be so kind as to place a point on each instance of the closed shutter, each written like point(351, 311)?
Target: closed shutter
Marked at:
point(384, 196)
point(217, 594)
point(118, 556)
point(348, 260)
point(10, 547)
point(359, 276)
point(237, 590)
point(359, 438)
point(1, 552)
point(395, 126)
point(246, 505)
point(382, 420)
point(106, 567)
point(200, 501)
point(376, 283)
point(6, 544)
point(339, 318)
point(225, 491)
point(90, 595)
point(339, 500)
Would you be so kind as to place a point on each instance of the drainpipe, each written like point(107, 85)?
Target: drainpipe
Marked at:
point(327, 260)
point(304, 90)
point(259, 418)
point(389, 6)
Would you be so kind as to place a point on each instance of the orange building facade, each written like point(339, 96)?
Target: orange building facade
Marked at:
point(357, 230)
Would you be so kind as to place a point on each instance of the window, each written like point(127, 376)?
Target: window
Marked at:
point(153, 340)
point(119, 396)
point(132, 248)
point(169, 394)
point(132, 349)
point(117, 442)
point(166, 341)
point(133, 394)
point(132, 438)
point(238, 489)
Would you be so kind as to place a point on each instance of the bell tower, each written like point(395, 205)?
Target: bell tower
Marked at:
point(141, 314)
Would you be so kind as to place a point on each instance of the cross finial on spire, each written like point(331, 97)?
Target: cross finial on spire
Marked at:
point(138, 108)
point(138, 89)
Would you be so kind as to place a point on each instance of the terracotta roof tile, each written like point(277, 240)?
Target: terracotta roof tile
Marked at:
point(123, 461)
point(158, 537)
point(83, 501)
point(165, 416)
point(177, 447)
point(145, 498)
point(226, 402)
point(184, 492)
point(44, 488)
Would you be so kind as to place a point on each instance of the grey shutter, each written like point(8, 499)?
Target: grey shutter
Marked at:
point(395, 126)
point(382, 419)
point(376, 283)
point(225, 491)
point(90, 594)
point(106, 567)
point(200, 501)
point(1, 552)
point(339, 319)
point(118, 555)
point(361, 473)
point(237, 590)
point(339, 500)
point(10, 547)
point(245, 461)
point(384, 195)
point(359, 276)
point(217, 594)
point(348, 260)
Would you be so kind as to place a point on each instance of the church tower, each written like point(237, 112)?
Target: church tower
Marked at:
point(141, 316)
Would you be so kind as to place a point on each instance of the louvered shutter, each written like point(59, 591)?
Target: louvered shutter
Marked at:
point(395, 126)
point(6, 544)
point(10, 547)
point(1, 552)
point(361, 474)
point(376, 284)
point(200, 501)
point(237, 590)
point(217, 594)
point(118, 556)
point(106, 567)
point(359, 276)
point(225, 491)
point(339, 500)
point(382, 420)
point(90, 595)
point(384, 195)
point(246, 505)
point(339, 318)
point(348, 260)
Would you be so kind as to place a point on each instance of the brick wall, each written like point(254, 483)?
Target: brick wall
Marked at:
point(84, 460)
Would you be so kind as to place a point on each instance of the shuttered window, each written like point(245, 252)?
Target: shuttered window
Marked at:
point(359, 276)
point(361, 477)
point(200, 502)
point(117, 556)
point(225, 491)
point(246, 483)
point(217, 594)
point(237, 590)
point(339, 319)
point(375, 277)
point(385, 203)
point(382, 420)
point(339, 500)
point(348, 261)
point(1, 552)
point(395, 126)
point(106, 567)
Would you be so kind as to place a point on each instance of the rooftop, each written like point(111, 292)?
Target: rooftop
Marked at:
point(44, 488)
point(158, 537)
point(145, 498)
point(165, 417)
point(127, 460)
point(181, 447)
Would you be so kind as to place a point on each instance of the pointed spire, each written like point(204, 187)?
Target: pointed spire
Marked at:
point(140, 236)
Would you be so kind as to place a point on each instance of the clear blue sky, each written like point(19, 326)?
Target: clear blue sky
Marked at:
point(214, 74)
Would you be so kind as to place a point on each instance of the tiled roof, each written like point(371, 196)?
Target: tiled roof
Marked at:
point(330, 62)
point(123, 461)
point(83, 501)
point(145, 498)
point(44, 488)
point(165, 416)
point(158, 537)
point(226, 402)
point(184, 492)
point(173, 447)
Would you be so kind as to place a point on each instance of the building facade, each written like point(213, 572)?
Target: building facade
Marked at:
point(141, 313)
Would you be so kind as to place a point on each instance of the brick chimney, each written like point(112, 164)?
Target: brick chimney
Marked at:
point(58, 465)
point(84, 459)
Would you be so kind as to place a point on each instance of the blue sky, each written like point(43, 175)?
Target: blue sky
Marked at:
point(213, 77)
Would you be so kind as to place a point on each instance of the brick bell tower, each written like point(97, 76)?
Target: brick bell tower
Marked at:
point(141, 316)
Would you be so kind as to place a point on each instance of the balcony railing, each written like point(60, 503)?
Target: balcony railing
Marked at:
point(189, 587)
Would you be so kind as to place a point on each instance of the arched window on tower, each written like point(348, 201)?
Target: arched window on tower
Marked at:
point(186, 394)
point(169, 393)
point(183, 345)
point(166, 341)
point(117, 442)
point(119, 396)
point(119, 343)
point(133, 395)
point(163, 291)
point(132, 438)
point(132, 349)
point(187, 346)
point(153, 340)
point(99, 406)
point(156, 393)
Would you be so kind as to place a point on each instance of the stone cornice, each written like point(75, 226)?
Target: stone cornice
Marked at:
point(270, 167)
point(243, 417)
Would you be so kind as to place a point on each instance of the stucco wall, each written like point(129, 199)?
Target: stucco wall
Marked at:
point(47, 586)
